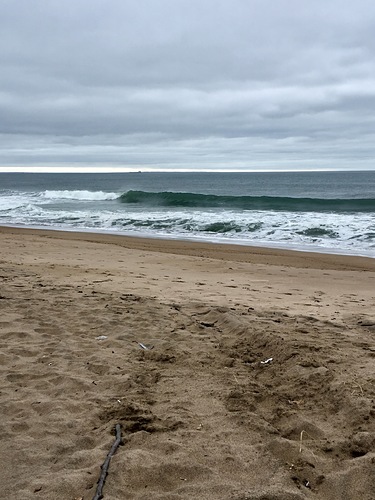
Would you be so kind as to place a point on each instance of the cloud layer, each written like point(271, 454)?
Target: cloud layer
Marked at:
point(185, 84)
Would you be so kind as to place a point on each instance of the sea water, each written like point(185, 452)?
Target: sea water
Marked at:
point(317, 211)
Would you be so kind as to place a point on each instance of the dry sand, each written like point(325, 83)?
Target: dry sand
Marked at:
point(202, 417)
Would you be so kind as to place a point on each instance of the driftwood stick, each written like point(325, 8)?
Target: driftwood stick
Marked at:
point(105, 466)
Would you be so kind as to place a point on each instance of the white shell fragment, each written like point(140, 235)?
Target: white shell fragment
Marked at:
point(266, 361)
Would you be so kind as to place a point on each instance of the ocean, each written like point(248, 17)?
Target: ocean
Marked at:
point(332, 212)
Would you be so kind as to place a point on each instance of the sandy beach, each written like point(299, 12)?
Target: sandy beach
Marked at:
point(235, 372)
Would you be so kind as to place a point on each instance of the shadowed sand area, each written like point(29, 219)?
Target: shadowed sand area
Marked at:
point(202, 417)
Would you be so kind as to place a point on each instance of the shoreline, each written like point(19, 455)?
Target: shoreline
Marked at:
point(220, 251)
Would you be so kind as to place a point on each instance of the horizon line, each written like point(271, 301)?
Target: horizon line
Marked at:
point(104, 170)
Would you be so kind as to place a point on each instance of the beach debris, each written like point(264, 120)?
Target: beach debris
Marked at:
point(266, 361)
point(301, 439)
point(101, 337)
point(366, 322)
point(105, 466)
point(144, 347)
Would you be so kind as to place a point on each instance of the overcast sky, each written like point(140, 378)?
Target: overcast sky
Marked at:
point(187, 84)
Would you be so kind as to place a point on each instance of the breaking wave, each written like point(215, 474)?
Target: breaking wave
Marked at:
point(79, 195)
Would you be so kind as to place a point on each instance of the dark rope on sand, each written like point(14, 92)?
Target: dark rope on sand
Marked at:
point(105, 466)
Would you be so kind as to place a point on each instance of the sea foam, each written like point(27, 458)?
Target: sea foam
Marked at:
point(79, 195)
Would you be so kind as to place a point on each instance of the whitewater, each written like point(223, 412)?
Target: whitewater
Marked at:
point(316, 211)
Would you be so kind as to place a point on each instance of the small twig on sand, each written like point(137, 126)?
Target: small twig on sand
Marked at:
point(105, 466)
point(359, 385)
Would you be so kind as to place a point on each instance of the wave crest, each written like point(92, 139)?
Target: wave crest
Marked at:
point(273, 203)
point(79, 195)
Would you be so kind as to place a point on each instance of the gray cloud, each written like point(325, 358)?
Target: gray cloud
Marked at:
point(186, 84)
